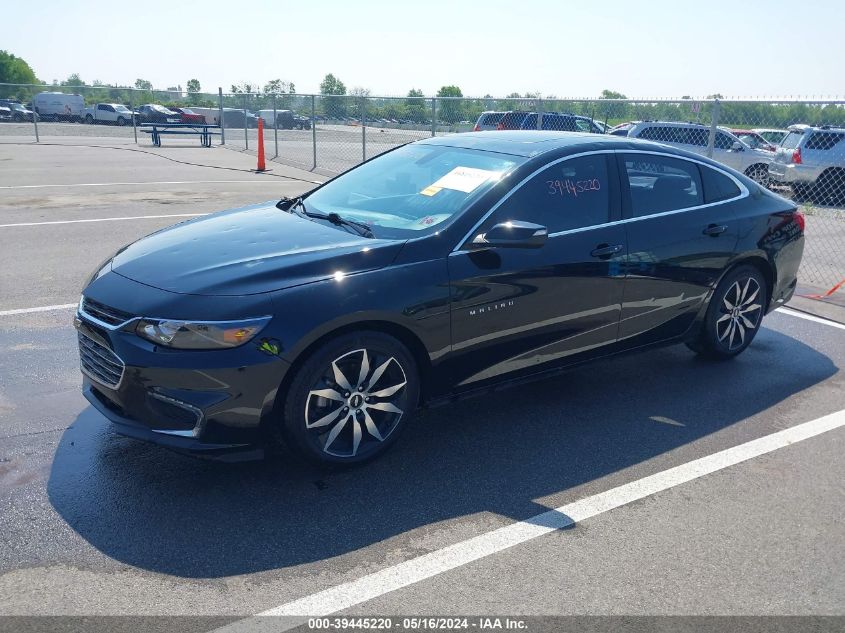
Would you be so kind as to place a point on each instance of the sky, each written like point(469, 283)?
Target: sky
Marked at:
point(644, 49)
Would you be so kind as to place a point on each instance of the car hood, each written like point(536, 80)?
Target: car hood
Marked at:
point(248, 251)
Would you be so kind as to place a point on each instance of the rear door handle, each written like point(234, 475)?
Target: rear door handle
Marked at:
point(606, 250)
point(715, 229)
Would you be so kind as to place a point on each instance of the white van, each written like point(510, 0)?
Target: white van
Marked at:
point(59, 106)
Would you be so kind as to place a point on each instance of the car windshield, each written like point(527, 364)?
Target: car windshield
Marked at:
point(751, 140)
point(413, 189)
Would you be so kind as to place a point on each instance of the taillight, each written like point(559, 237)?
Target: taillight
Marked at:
point(800, 220)
point(476, 128)
point(796, 156)
point(500, 126)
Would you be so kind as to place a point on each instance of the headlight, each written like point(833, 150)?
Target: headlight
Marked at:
point(200, 334)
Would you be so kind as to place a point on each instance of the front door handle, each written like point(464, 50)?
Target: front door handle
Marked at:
point(715, 229)
point(606, 250)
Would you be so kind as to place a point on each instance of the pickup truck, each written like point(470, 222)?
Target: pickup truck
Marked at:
point(113, 113)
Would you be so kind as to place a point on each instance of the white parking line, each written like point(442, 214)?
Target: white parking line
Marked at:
point(63, 306)
point(131, 217)
point(124, 184)
point(434, 563)
point(810, 317)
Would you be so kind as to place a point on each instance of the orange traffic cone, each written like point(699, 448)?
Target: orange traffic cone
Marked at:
point(262, 166)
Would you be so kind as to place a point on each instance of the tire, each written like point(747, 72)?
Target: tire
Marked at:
point(830, 187)
point(17, 117)
point(759, 174)
point(799, 192)
point(89, 119)
point(734, 315)
point(121, 121)
point(326, 419)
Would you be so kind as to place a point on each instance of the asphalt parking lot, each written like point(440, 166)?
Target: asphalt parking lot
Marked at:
point(579, 495)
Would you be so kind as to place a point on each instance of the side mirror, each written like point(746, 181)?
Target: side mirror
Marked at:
point(737, 146)
point(512, 234)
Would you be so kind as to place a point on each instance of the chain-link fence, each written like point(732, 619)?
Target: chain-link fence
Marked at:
point(794, 147)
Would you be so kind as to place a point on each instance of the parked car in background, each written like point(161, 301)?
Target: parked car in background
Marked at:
point(754, 140)
point(621, 129)
point(694, 137)
point(279, 119)
point(302, 122)
point(109, 113)
point(811, 160)
point(154, 113)
point(5, 113)
point(561, 122)
point(487, 121)
point(19, 112)
point(187, 115)
point(59, 106)
point(772, 135)
point(449, 266)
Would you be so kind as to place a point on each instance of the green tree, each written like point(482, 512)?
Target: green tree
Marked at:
point(14, 70)
point(415, 107)
point(143, 84)
point(331, 85)
point(193, 86)
point(611, 94)
point(73, 80)
point(450, 111)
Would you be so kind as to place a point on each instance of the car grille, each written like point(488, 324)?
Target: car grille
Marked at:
point(99, 362)
point(104, 313)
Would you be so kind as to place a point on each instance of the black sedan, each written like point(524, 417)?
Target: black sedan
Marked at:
point(443, 268)
point(154, 113)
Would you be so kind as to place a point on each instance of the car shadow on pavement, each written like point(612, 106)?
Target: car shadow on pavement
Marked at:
point(501, 454)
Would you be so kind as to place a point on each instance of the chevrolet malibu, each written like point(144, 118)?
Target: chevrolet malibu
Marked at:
point(440, 269)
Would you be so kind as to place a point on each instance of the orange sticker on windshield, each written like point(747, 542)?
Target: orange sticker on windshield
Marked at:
point(430, 190)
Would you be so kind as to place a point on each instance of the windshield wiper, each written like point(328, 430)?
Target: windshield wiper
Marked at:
point(298, 207)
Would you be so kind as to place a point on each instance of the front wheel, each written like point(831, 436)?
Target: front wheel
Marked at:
point(351, 398)
point(733, 316)
point(89, 119)
point(759, 174)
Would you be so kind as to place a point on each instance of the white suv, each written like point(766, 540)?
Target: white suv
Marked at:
point(727, 148)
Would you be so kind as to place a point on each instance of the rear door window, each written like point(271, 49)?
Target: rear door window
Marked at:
point(660, 183)
point(723, 141)
point(717, 186)
point(823, 140)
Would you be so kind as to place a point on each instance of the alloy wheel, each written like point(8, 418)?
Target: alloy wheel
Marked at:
point(740, 311)
point(356, 403)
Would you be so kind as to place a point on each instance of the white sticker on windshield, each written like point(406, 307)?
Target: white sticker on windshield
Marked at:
point(465, 179)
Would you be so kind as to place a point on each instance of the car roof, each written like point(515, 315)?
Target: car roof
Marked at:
point(530, 143)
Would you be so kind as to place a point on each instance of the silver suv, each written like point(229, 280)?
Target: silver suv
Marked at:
point(693, 137)
point(811, 160)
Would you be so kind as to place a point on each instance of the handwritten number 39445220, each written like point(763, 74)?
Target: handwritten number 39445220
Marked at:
point(572, 187)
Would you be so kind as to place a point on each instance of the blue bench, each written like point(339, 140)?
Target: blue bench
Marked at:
point(157, 130)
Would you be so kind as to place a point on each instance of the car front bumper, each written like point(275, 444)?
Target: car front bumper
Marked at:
point(209, 402)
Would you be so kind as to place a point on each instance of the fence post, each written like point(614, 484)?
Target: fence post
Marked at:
point(433, 116)
point(246, 137)
point(220, 120)
point(275, 127)
point(714, 121)
point(364, 127)
point(314, 128)
point(35, 123)
point(538, 104)
point(134, 122)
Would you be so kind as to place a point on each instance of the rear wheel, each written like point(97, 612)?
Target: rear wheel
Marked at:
point(734, 314)
point(121, 121)
point(89, 119)
point(759, 174)
point(830, 187)
point(350, 399)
